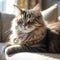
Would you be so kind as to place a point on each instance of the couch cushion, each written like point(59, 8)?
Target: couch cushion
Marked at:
point(0, 27)
point(51, 14)
point(34, 56)
point(6, 23)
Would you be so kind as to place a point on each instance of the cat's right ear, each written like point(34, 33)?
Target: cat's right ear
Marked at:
point(17, 10)
point(37, 9)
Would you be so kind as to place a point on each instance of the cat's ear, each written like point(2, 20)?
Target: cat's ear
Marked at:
point(37, 9)
point(17, 10)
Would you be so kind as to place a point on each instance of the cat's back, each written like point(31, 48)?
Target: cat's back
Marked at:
point(53, 35)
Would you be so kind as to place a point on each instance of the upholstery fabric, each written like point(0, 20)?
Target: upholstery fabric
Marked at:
point(34, 56)
point(51, 14)
point(0, 27)
point(6, 23)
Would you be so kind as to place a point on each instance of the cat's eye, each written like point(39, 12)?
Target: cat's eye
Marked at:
point(30, 23)
point(23, 12)
point(20, 22)
point(29, 16)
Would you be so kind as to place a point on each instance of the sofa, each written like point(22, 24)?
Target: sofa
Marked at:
point(50, 15)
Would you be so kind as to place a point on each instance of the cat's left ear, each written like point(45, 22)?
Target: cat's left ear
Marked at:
point(37, 9)
point(17, 10)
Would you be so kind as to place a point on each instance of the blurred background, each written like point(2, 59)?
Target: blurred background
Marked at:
point(6, 6)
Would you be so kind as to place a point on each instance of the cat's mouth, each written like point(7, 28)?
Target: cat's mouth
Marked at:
point(25, 30)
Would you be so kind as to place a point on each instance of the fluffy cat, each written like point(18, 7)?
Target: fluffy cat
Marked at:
point(30, 34)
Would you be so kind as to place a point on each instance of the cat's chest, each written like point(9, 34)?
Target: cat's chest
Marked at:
point(32, 38)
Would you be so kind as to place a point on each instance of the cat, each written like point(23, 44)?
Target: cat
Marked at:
point(30, 33)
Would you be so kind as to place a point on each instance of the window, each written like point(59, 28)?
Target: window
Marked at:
point(2, 4)
point(6, 6)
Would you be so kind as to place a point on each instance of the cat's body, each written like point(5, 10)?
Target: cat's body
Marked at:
point(30, 34)
point(53, 37)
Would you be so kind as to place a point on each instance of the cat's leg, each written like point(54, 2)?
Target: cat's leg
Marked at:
point(18, 48)
point(12, 49)
point(15, 49)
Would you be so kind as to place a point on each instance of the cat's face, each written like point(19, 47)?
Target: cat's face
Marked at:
point(29, 20)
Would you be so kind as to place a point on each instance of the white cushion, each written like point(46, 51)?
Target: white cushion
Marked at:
point(33, 56)
point(51, 14)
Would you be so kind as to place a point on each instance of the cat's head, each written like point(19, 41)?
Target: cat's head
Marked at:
point(28, 20)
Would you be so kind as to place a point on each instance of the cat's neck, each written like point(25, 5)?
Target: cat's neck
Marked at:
point(38, 33)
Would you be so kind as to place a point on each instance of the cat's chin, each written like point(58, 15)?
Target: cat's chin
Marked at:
point(25, 30)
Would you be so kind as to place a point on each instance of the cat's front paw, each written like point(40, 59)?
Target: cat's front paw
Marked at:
point(8, 51)
point(11, 49)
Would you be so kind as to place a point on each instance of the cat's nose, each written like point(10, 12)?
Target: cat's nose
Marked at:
point(24, 24)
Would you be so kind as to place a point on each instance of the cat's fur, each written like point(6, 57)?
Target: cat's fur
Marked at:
point(30, 34)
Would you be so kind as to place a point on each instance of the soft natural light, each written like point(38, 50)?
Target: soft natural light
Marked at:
point(9, 6)
point(6, 6)
point(0, 0)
